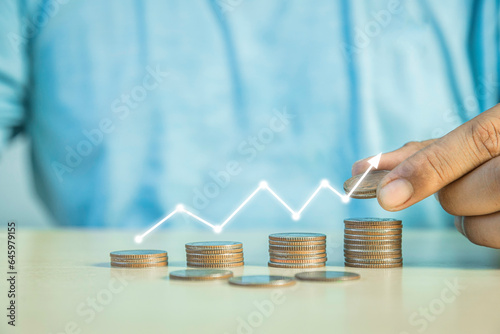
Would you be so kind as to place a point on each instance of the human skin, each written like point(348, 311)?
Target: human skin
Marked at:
point(462, 168)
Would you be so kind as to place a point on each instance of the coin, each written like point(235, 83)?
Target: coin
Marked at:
point(209, 261)
point(360, 252)
point(280, 260)
point(214, 265)
point(380, 245)
point(372, 227)
point(295, 265)
point(327, 276)
point(373, 237)
point(139, 265)
point(296, 236)
point(211, 257)
point(367, 188)
point(373, 221)
point(361, 265)
point(262, 281)
point(295, 248)
point(138, 253)
point(298, 252)
point(388, 231)
point(296, 256)
point(373, 261)
point(372, 242)
point(297, 243)
point(140, 260)
point(372, 256)
point(200, 274)
point(213, 244)
point(214, 251)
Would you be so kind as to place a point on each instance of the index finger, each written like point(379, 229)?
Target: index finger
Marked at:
point(442, 162)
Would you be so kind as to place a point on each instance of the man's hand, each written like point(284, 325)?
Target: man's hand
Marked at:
point(462, 167)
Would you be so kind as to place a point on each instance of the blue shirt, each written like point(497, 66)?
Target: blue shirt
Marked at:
point(132, 107)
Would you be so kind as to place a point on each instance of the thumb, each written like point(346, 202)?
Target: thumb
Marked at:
point(442, 162)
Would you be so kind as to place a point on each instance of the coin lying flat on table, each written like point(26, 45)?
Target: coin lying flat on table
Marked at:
point(262, 281)
point(200, 274)
point(327, 276)
point(368, 186)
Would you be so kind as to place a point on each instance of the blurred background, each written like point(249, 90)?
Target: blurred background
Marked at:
point(18, 199)
point(113, 113)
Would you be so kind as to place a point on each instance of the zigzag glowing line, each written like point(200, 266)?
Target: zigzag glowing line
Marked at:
point(263, 186)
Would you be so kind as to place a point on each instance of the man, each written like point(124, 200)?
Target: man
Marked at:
point(132, 107)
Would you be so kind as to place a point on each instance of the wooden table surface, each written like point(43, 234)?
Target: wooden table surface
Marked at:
point(65, 285)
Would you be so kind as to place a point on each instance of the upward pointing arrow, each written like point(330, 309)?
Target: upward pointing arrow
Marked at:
point(375, 160)
point(181, 209)
point(373, 164)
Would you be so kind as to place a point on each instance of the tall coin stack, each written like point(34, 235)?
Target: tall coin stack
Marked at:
point(297, 250)
point(214, 254)
point(373, 243)
point(141, 258)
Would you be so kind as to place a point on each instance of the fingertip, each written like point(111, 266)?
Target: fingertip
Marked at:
point(359, 166)
point(393, 195)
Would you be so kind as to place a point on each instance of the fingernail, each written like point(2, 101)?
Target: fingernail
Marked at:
point(459, 224)
point(436, 196)
point(395, 193)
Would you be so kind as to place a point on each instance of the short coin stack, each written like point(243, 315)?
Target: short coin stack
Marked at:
point(140, 258)
point(373, 243)
point(214, 254)
point(297, 250)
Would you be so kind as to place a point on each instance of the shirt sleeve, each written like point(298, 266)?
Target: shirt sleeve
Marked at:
point(13, 44)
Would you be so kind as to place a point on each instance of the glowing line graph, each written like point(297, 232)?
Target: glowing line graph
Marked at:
point(263, 185)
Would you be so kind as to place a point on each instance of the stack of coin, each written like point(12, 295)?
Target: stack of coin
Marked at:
point(297, 250)
point(140, 258)
point(214, 254)
point(373, 243)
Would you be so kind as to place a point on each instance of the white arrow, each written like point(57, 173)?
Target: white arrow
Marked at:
point(263, 185)
point(373, 164)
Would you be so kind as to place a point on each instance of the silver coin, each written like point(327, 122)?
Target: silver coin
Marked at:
point(373, 265)
point(138, 253)
point(372, 251)
point(296, 257)
point(297, 243)
point(213, 244)
point(297, 236)
point(374, 221)
point(200, 274)
point(295, 248)
point(140, 260)
point(367, 188)
point(327, 276)
point(262, 281)
point(295, 265)
point(373, 261)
